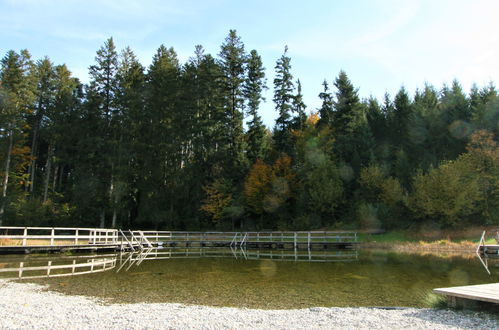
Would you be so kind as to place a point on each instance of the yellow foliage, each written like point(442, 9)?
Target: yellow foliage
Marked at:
point(266, 187)
point(216, 200)
point(313, 119)
point(257, 185)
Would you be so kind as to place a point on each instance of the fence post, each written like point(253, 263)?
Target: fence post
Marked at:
point(308, 240)
point(296, 244)
point(76, 237)
point(25, 234)
point(52, 233)
point(48, 268)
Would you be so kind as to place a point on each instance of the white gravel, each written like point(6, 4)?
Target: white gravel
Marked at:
point(29, 306)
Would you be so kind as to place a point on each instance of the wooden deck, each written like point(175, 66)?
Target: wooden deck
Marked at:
point(489, 250)
point(43, 239)
point(465, 296)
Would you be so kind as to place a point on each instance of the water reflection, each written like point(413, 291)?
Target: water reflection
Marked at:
point(35, 267)
point(257, 279)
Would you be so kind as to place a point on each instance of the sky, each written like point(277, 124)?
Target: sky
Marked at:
point(381, 44)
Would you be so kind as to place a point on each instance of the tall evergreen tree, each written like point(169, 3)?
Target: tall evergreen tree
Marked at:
point(102, 95)
point(232, 62)
point(45, 93)
point(254, 86)
point(299, 108)
point(326, 109)
point(350, 129)
point(283, 99)
point(17, 84)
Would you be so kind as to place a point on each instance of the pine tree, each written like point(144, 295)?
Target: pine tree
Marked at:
point(326, 110)
point(283, 99)
point(350, 129)
point(253, 88)
point(45, 73)
point(347, 107)
point(162, 155)
point(299, 108)
point(17, 85)
point(232, 62)
point(130, 102)
point(102, 92)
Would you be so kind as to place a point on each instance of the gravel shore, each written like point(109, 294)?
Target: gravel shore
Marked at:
point(26, 306)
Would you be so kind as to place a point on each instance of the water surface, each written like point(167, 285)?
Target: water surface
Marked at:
point(365, 278)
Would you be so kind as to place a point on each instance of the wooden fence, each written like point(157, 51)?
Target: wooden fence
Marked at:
point(55, 267)
point(56, 236)
point(247, 238)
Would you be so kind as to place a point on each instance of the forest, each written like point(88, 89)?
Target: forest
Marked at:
point(181, 146)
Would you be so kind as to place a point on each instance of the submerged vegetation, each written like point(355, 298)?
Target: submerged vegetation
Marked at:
point(166, 147)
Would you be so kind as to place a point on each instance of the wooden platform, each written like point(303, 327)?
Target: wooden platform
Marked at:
point(465, 295)
point(489, 250)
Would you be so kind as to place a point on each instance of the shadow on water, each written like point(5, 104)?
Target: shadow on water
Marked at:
point(251, 278)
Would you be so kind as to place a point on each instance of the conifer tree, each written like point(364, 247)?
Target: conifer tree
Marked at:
point(232, 62)
point(254, 86)
point(17, 85)
point(45, 90)
point(102, 92)
point(299, 108)
point(283, 99)
point(326, 110)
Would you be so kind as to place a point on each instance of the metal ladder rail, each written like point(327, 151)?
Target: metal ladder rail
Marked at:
point(243, 240)
point(234, 240)
point(481, 243)
point(143, 238)
point(127, 240)
point(135, 240)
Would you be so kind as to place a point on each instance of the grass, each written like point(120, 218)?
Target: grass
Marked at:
point(449, 240)
point(436, 301)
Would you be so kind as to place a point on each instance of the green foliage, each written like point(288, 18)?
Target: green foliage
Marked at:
point(283, 100)
point(165, 147)
point(447, 193)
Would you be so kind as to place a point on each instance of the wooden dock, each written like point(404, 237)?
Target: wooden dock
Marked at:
point(469, 295)
point(47, 240)
point(250, 240)
point(488, 250)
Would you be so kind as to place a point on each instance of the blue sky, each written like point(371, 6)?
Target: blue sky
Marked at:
point(381, 44)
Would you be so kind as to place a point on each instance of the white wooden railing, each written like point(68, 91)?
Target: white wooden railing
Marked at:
point(56, 236)
point(236, 238)
point(58, 268)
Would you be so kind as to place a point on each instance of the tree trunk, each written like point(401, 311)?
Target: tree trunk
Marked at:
point(102, 219)
point(32, 162)
point(61, 175)
point(48, 170)
point(113, 223)
point(112, 197)
point(54, 181)
point(6, 175)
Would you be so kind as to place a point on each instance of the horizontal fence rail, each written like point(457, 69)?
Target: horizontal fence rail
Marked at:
point(56, 236)
point(34, 238)
point(243, 238)
point(57, 268)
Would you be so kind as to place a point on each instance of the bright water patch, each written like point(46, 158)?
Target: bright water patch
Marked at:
point(260, 279)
